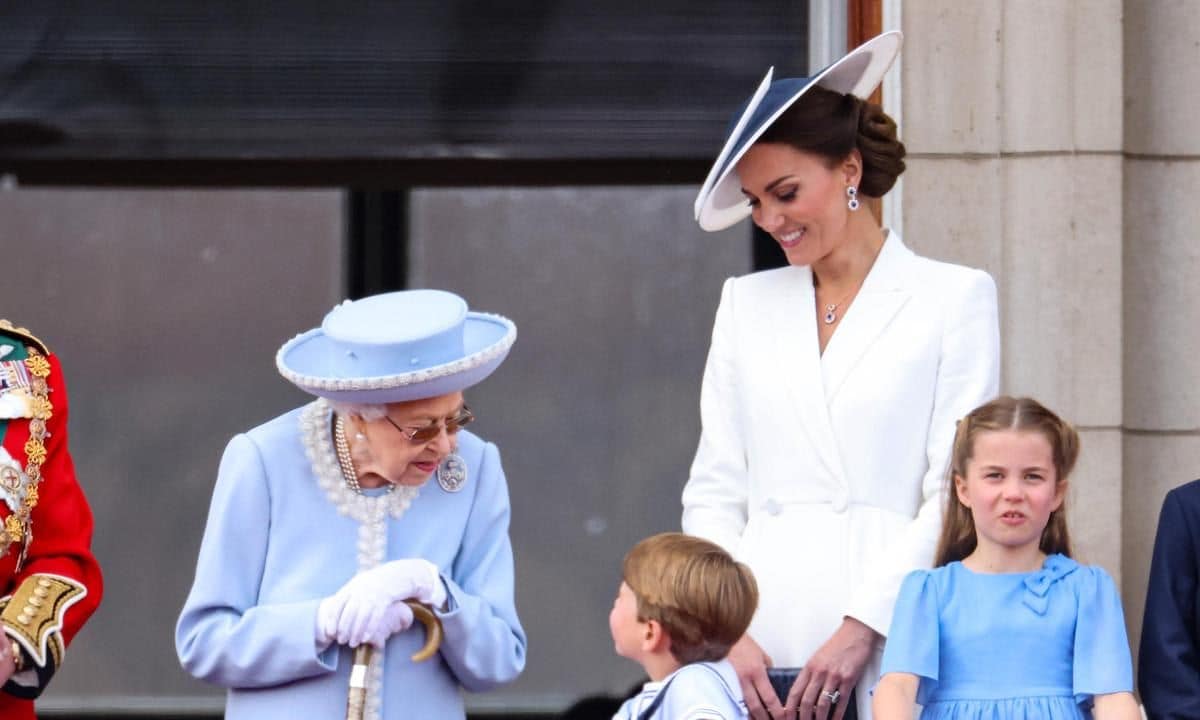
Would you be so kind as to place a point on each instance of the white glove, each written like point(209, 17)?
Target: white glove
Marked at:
point(368, 608)
point(369, 621)
point(327, 619)
point(411, 578)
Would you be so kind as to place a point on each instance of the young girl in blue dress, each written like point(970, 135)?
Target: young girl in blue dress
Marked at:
point(1007, 625)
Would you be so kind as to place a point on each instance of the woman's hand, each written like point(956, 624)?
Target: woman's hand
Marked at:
point(369, 608)
point(410, 578)
point(835, 667)
point(371, 620)
point(751, 663)
point(361, 619)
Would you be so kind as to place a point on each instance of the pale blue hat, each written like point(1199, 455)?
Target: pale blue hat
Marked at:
point(396, 347)
point(721, 202)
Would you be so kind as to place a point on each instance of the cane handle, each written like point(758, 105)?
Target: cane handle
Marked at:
point(433, 630)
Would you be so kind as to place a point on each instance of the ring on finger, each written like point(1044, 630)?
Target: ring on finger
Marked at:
point(833, 695)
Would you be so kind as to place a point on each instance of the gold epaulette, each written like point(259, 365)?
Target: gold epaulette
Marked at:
point(24, 334)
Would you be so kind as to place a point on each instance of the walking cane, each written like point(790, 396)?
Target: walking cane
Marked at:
point(356, 700)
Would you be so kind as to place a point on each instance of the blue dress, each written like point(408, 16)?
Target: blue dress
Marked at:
point(1010, 645)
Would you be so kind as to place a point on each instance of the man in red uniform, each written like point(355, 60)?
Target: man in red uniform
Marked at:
point(49, 580)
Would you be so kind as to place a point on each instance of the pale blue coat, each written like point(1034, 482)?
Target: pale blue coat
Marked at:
point(275, 545)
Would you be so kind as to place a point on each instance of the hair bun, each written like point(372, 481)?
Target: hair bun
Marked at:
point(882, 151)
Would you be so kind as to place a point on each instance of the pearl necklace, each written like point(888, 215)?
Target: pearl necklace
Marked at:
point(370, 511)
point(345, 461)
point(316, 429)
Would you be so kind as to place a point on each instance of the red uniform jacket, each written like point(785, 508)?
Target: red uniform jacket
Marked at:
point(49, 580)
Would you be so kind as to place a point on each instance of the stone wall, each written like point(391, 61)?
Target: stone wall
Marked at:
point(1051, 142)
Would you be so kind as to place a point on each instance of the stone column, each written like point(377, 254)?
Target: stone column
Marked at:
point(1161, 299)
point(1012, 118)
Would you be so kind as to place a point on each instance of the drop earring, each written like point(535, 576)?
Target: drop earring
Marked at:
point(852, 194)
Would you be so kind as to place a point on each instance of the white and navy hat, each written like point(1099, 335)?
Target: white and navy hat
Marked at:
point(721, 202)
point(396, 347)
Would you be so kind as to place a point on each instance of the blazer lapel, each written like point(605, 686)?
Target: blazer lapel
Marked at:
point(883, 293)
point(799, 358)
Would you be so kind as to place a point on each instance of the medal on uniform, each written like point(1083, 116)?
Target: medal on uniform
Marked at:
point(16, 389)
point(12, 482)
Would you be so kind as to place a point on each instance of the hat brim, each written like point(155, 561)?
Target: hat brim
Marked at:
point(721, 202)
point(487, 338)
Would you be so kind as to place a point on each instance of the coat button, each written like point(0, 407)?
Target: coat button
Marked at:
point(772, 506)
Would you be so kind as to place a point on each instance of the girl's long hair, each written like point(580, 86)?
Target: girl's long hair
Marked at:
point(958, 537)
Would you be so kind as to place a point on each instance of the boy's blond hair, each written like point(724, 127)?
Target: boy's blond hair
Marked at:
point(703, 598)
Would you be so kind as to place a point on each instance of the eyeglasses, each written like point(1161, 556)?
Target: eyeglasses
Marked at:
point(432, 430)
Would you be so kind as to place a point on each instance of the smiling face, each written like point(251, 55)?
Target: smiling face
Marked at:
point(798, 198)
point(393, 458)
point(1011, 488)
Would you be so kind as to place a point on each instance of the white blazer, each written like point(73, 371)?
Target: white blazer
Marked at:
point(825, 473)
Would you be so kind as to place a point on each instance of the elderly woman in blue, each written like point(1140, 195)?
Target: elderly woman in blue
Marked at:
point(323, 523)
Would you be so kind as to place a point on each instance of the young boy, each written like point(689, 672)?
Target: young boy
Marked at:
point(683, 603)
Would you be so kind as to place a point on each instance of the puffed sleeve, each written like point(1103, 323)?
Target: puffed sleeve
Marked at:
point(1169, 659)
point(1102, 663)
point(483, 642)
point(968, 375)
point(714, 499)
point(59, 584)
point(224, 636)
point(913, 641)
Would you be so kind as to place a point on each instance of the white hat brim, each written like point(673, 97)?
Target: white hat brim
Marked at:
point(721, 202)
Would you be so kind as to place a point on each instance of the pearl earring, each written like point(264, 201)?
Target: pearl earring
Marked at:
point(359, 449)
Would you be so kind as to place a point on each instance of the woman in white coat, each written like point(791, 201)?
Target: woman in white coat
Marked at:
point(832, 386)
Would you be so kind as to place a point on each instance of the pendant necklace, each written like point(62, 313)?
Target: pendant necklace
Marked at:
point(830, 316)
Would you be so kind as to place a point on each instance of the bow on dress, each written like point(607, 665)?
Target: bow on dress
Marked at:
point(1037, 585)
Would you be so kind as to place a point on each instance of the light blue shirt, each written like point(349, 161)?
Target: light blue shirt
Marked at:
point(275, 545)
point(697, 691)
